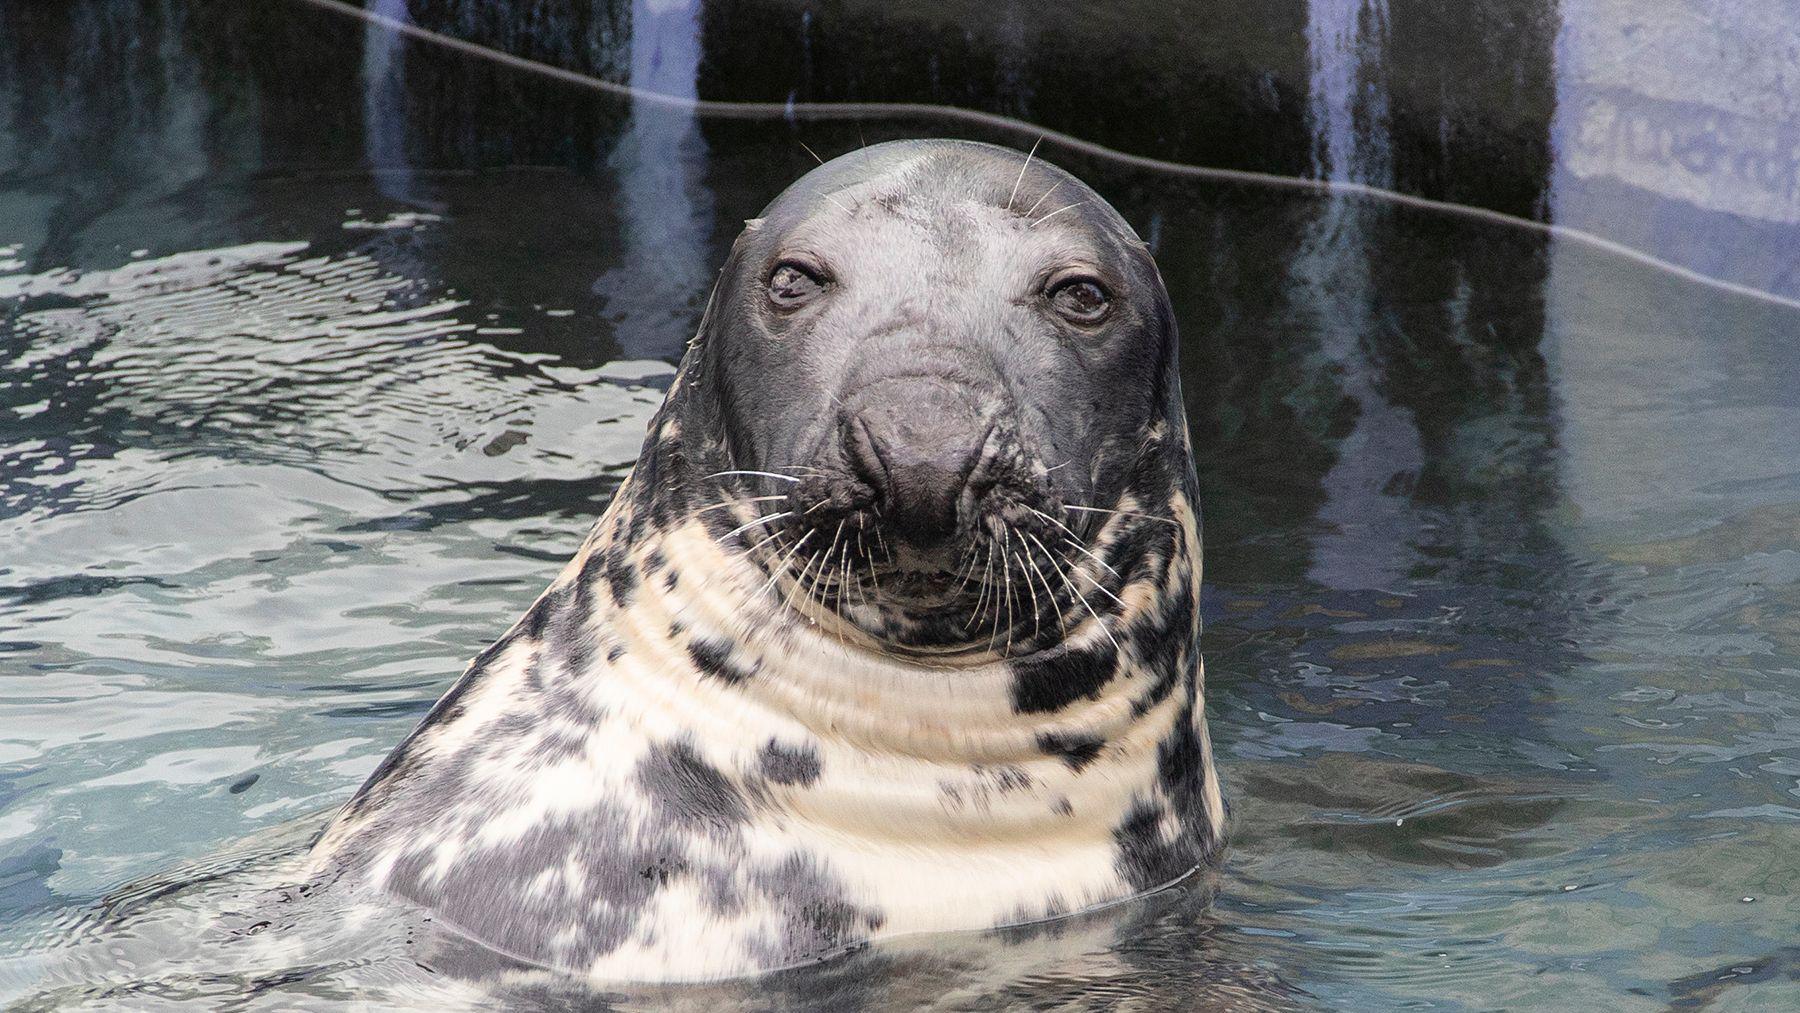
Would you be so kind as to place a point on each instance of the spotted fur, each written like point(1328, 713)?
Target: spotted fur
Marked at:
point(678, 764)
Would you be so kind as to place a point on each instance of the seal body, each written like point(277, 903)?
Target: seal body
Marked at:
point(892, 628)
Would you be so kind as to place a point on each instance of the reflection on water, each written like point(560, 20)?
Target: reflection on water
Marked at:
point(319, 348)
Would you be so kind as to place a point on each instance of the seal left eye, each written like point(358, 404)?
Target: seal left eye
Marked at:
point(1082, 300)
point(793, 285)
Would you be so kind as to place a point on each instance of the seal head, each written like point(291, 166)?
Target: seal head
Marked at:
point(892, 628)
point(948, 346)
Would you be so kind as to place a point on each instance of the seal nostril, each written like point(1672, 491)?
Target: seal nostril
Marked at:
point(917, 458)
point(864, 454)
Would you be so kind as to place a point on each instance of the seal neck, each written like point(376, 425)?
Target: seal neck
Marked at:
point(1106, 727)
point(788, 658)
point(1080, 759)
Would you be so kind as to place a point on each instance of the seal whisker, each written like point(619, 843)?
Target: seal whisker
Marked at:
point(1053, 214)
point(1015, 190)
point(1037, 608)
point(844, 580)
point(764, 519)
point(810, 151)
point(1077, 546)
point(994, 612)
point(1122, 513)
point(1052, 520)
point(1033, 211)
point(734, 502)
point(968, 571)
point(765, 474)
point(1077, 571)
point(780, 567)
point(838, 598)
point(1061, 622)
point(856, 581)
point(831, 550)
point(1075, 542)
point(801, 583)
point(994, 607)
point(862, 549)
point(975, 609)
point(987, 585)
point(1006, 572)
point(1082, 598)
point(752, 550)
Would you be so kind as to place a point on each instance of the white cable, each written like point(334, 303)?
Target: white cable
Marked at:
point(994, 121)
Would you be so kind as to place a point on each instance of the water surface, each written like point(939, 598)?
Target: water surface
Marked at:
point(320, 349)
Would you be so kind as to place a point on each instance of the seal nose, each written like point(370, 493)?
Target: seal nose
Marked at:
point(917, 453)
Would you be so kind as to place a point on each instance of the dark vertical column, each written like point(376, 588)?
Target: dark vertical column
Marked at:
point(1472, 92)
point(1472, 98)
point(1204, 82)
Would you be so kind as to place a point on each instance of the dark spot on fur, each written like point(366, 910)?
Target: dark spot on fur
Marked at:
point(1147, 859)
point(655, 561)
point(398, 766)
point(691, 792)
point(816, 918)
point(557, 745)
point(1076, 750)
point(1169, 633)
point(1062, 677)
point(567, 631)
point(1025, 923)
point(537, 617)
point(482, 892)
point(1181, 768)
point(784, 765)
point(1132, 550)
point(716, 658)
point(661, 869)
point(620, 575)
point(1008, 779)
point(615, 652)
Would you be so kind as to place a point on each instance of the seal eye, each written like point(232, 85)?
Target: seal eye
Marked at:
point(1082, 300)
point(793, 285)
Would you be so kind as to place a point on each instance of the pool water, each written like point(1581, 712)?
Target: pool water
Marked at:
point(320, 349)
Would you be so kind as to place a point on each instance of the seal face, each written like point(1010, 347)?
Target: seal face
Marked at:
point(892, 628)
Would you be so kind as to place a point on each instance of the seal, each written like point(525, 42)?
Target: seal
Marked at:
point(893, 626)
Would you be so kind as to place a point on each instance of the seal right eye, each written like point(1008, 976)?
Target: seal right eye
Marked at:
point(793, 285)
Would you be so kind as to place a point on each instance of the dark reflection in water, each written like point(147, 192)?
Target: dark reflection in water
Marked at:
point(320, 347)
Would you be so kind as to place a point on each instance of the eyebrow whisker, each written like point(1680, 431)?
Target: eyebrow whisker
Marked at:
point(1041, 197)
point(1053, 214)
point(1015, 190)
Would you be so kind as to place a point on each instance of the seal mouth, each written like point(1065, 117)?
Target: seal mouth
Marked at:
point(1008, 578)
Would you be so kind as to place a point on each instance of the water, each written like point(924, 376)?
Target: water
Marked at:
point(320, 349)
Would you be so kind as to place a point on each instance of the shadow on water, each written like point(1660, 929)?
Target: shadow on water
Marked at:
point(322, 344)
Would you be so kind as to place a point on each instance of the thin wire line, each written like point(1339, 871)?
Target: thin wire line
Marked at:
point(995, 121)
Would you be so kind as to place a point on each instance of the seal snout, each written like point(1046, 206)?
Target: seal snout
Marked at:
point(917, 455)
